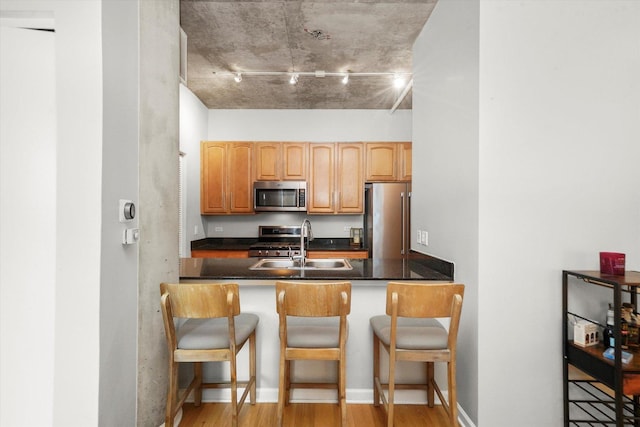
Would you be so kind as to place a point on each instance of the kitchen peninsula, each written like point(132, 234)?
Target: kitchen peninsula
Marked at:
point(228, 260)
point(368, 277)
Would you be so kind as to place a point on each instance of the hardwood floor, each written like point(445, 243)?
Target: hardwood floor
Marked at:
point(312, 415)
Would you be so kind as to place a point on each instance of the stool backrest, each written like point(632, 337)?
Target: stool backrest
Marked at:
point(314, 299)
point(202, 300)
point(423, 299)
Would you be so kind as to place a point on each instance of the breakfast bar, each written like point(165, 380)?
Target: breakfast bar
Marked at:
point(368, 277)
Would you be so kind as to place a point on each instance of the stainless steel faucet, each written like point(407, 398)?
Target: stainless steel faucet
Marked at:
point(305, 228)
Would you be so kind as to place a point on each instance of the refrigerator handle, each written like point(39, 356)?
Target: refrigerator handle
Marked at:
point(403, 225)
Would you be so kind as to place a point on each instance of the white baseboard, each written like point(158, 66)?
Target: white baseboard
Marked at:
point(358, 396)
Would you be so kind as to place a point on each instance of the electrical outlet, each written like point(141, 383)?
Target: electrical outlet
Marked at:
point(425, 238)
point(195, 230)
point(219, 229)
point(419, 237)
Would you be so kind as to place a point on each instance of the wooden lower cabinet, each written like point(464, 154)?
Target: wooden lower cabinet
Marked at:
point(363, 254)
point(219, 254)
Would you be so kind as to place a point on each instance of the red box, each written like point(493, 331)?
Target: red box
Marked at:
point(612, 263)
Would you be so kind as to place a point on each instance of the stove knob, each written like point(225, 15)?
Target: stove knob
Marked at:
point(266, 253)
point(277, 253)
point(259, 252)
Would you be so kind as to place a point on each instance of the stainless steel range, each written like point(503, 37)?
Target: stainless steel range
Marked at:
point(276, 241)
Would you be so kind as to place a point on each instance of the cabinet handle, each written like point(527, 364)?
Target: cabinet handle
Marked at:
point(402, 225)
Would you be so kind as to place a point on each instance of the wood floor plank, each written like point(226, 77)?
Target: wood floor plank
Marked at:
point(311, 415)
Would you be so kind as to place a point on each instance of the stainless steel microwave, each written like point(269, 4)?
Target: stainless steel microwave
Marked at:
point(280, 196)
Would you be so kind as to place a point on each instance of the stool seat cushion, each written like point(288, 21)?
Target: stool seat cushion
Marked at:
point(313, 332)
point(202, 334)
point(412, 334)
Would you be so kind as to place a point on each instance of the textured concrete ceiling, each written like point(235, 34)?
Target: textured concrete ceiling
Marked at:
point(305, 36)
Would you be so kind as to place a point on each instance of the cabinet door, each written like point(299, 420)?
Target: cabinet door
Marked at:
point(268, 161)
point(219, 254)
point(404, 161)
point(240, 185)
point(213, 176)
point(321, 178)
point(349, 178)
point(295, 161)
point(382, 162)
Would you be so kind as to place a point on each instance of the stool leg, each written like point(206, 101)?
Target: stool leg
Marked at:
point(234, 390)
point(453, 393)
point(197, 376)
point(342, 394)
point(430, 388)
point(392, 386)
point(252, 367)
point(281, 389)
point(172, 394)
point(376, 369)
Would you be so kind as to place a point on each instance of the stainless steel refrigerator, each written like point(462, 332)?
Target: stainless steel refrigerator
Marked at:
point(387, 219)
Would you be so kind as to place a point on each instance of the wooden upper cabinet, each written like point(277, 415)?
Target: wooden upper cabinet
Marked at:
point(276, 161)
point(321, 184)
point(336, 182)
point(226, 177)
point(404, 161)
point(388, 161)
point(240, 157)
point(268, 161)
point(349, 178)
point(213, 178)
point(382, 161)
point(295, 159)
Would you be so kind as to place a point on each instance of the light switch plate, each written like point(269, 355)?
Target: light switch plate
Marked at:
point(419, 237)
point(425, 238)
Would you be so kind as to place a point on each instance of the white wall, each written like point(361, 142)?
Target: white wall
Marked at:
point(284, 125)
point(194, 117)
point(119, 272)
point(78, 166)
point(28, 200)
point(558, 182)
point(445, 159)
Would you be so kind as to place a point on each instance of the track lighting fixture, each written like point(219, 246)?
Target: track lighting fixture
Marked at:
point(399, 79)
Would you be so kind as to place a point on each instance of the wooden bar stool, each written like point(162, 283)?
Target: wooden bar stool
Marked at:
point(305, 336)
point(409, 331)
point(214, 331)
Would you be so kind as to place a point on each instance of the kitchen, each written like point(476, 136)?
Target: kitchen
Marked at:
point(232, 228)
point(509, 224)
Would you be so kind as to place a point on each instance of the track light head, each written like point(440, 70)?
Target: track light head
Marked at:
point(398, 81)
point(345, 79)
point(238, 77)
point(294, 78)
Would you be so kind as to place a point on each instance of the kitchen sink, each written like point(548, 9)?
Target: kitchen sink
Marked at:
point(310, 264)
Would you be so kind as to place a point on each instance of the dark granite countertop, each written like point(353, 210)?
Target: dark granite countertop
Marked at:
point(418, 268)
point(224, 243)
point(239, 244)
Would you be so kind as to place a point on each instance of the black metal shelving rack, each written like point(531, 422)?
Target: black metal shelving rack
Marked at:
point(586, 402)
